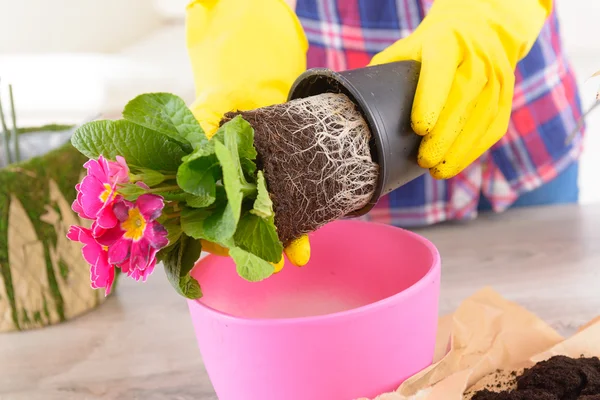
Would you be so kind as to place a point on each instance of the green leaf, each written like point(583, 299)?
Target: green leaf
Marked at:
point(195, 201)
point(173, 231)
point(263, 206)
point(249, 168)
point(244, 134)
point(192, 222)
point(259, 237)
point(178, 195)
point(249, 266)
point(131, 191)
point(138, 145)
point(167, 114)
point(220, 226)
point(178, 264)
point(197, 177)
point(150, 177)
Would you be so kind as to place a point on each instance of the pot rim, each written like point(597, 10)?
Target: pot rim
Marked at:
point(433, 274)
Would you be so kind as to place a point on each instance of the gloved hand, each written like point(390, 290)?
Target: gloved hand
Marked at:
point(244, 55)
point(468, 52)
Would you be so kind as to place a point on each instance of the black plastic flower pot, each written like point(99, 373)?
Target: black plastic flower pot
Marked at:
point(384, 94)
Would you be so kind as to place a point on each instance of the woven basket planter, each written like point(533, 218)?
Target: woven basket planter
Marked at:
point(43, 277)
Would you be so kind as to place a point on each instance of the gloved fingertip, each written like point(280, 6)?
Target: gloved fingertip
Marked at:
point(277, 267)
point(298, 251)
point(443, 171)
point(427, 159)
point(422, 126)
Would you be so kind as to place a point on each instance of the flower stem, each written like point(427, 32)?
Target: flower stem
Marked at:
point(163, 189)
point(14, 127)
point(6, 135)
point(248, 189)
point(172, 215)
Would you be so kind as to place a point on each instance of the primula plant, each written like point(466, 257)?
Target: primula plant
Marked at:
point(157, 189)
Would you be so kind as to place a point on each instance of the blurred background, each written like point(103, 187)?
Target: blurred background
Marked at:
point(70, 60)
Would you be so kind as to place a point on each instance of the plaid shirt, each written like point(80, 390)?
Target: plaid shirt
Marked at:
point(345, 34)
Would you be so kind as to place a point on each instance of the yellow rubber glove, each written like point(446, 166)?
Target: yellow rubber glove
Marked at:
point(468, 52)
point(245, 54)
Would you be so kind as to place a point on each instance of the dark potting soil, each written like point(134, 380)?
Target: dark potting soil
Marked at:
point(559, 378)
point(299, 175)
point(274, 160)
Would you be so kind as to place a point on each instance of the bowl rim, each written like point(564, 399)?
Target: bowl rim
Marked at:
point(434, 273)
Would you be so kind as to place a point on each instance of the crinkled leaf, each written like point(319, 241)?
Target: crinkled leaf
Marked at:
point(138, 145)
point(259, 237)
point(178, 264)
point(168, 114)
point(192, 222)
point(263, 205)
point(197, 177)
point(249, 266)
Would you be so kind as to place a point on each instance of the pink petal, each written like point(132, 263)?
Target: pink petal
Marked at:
point(78, 209)
point(109, 281)
point(95, 169)
point(119, 171)
point(156, 234)
point(142, 185)
point(102, 274)
point(140, 255)
point(121, 209)
point(119, 252)
point(91, 189)
point(92, 252)
point(97, 230)
point(110, 236)
point(106, 218)
point(150, 205)
point(148, 271)
point(125, 267)
point(86, 237)
point(74, 232)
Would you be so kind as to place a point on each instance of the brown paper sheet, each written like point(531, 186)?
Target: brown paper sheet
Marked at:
point(486, 342)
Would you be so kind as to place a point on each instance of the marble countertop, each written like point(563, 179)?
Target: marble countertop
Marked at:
point(140, 344)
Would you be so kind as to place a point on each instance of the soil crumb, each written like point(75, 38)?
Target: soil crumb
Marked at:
point(558, 378)
point(316, 157)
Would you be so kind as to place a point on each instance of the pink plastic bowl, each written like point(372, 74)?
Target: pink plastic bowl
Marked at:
point(355, 322)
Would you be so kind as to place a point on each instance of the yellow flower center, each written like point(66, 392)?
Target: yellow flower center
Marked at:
point(134, 225)
point(105, 248)
point(106, 194)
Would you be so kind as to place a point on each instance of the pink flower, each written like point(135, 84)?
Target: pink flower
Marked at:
point(102, 273)
point(97, 192)
point(134, 242)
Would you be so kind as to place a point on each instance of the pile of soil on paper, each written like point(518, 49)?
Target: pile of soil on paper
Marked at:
point(558, 378)
point(316, 157)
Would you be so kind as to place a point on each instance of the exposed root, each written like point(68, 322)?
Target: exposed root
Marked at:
point(316, 159)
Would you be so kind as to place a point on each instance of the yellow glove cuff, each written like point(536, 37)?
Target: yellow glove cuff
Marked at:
point(244, 54)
